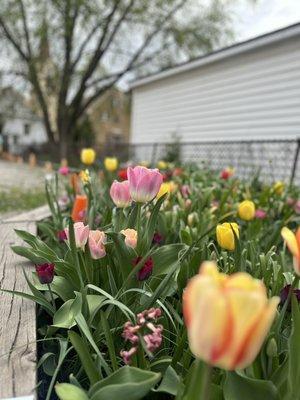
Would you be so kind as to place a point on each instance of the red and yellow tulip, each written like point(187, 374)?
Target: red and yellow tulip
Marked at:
point(227, 317)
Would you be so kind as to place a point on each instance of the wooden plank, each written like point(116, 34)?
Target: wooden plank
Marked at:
point(36, 214)
point(17, 319)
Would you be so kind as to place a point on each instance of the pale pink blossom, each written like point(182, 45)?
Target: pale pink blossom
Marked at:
point(64, 170)
point(81, 233)
point(260, 214)
point(130, 237)
point(97, 240)
point(144, 183)
point(127, 355)
point(119, 192)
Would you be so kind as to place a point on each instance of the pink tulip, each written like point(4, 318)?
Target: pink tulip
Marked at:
point(97, 240)
point(64, 171)
point(119, 192)
point(81, 233)
point(130, 237)
point(144, 183)
point(260, 214)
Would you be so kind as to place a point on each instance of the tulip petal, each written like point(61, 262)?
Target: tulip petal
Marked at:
point(291, 241)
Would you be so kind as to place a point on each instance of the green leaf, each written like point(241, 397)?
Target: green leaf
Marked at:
point(238, 386)
point(126, 383)
point(66, 314)
point(170, 383)
point(294, 353)
point(66, 391)
point(28, 253)
point(85, 357)
point(59, 285)
point(165, 256)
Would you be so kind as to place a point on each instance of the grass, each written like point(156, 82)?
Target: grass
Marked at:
point(16, 199)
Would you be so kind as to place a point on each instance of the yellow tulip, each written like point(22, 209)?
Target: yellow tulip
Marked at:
point(225, 235)
point(166, 187)
point(111, 164)
point(227, 317)
point(278, 187)
point(246, 210)
point(88, 156)
point(162, 164)
point(293, 243)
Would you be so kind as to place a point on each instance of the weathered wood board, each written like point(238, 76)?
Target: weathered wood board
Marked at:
point(17, 315)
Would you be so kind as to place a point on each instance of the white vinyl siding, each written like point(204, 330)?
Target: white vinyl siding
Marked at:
point(254, 94)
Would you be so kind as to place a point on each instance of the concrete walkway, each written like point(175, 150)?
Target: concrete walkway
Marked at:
point(21, 176)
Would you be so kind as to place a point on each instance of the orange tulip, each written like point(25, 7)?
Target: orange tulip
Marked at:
point(227, 317)
point(79, 208)
point(293, 243)
point(74, 182)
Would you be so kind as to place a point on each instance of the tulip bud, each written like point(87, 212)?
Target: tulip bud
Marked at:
point(226, 235)
point(111, 164)
point(146, 269)
point(272, 349)
point(45, 272)
point(278, 187)
point(88, 156)
point(130, 237)
point(96, 241)
point(246, 210)
point(144, 183)
point(119, 192)
point(79, 208)
point(293, 243)
point(81, 233)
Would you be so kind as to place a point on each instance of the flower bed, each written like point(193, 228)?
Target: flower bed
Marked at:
point(125, 312)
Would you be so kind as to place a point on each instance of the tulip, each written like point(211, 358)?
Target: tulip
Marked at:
point(225, 235)
point(293, 243)
point(227, 173)
point(45, 272)
point(144, 183)
point(278, 187)
point(64, 170)
point(119, 192)
point(146, 269)
point(79, 208)
point(227, 317)
point(122, 174)
point(246, 210)
point(260, 214)
point(74, 182)
point(61, 236)
point(130, 237)
point(81, 233)
point(111, 164)
point(162, 164)
point(88, 156)
point(185, 191)
point(97, 240)
point(166, 187)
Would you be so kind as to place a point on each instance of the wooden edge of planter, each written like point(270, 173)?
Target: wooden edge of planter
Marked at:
point(17, 315)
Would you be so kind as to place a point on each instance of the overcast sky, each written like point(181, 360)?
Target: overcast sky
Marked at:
point(264, 16)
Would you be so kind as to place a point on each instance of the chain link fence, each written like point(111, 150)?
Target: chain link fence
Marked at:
point(274, 160)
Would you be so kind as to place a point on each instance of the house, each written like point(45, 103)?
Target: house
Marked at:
point(248, 91)
point(20, 127)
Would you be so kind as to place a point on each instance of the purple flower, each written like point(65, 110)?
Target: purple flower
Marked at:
point(146, 269)
point(284, 295)
point(45, 272)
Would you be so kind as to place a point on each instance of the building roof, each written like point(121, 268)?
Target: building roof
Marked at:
point(238, 48)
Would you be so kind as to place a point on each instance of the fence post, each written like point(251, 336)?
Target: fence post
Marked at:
point(295, 162)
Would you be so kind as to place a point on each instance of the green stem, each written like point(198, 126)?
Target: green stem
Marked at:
point(199, 388)
point(52, 297)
